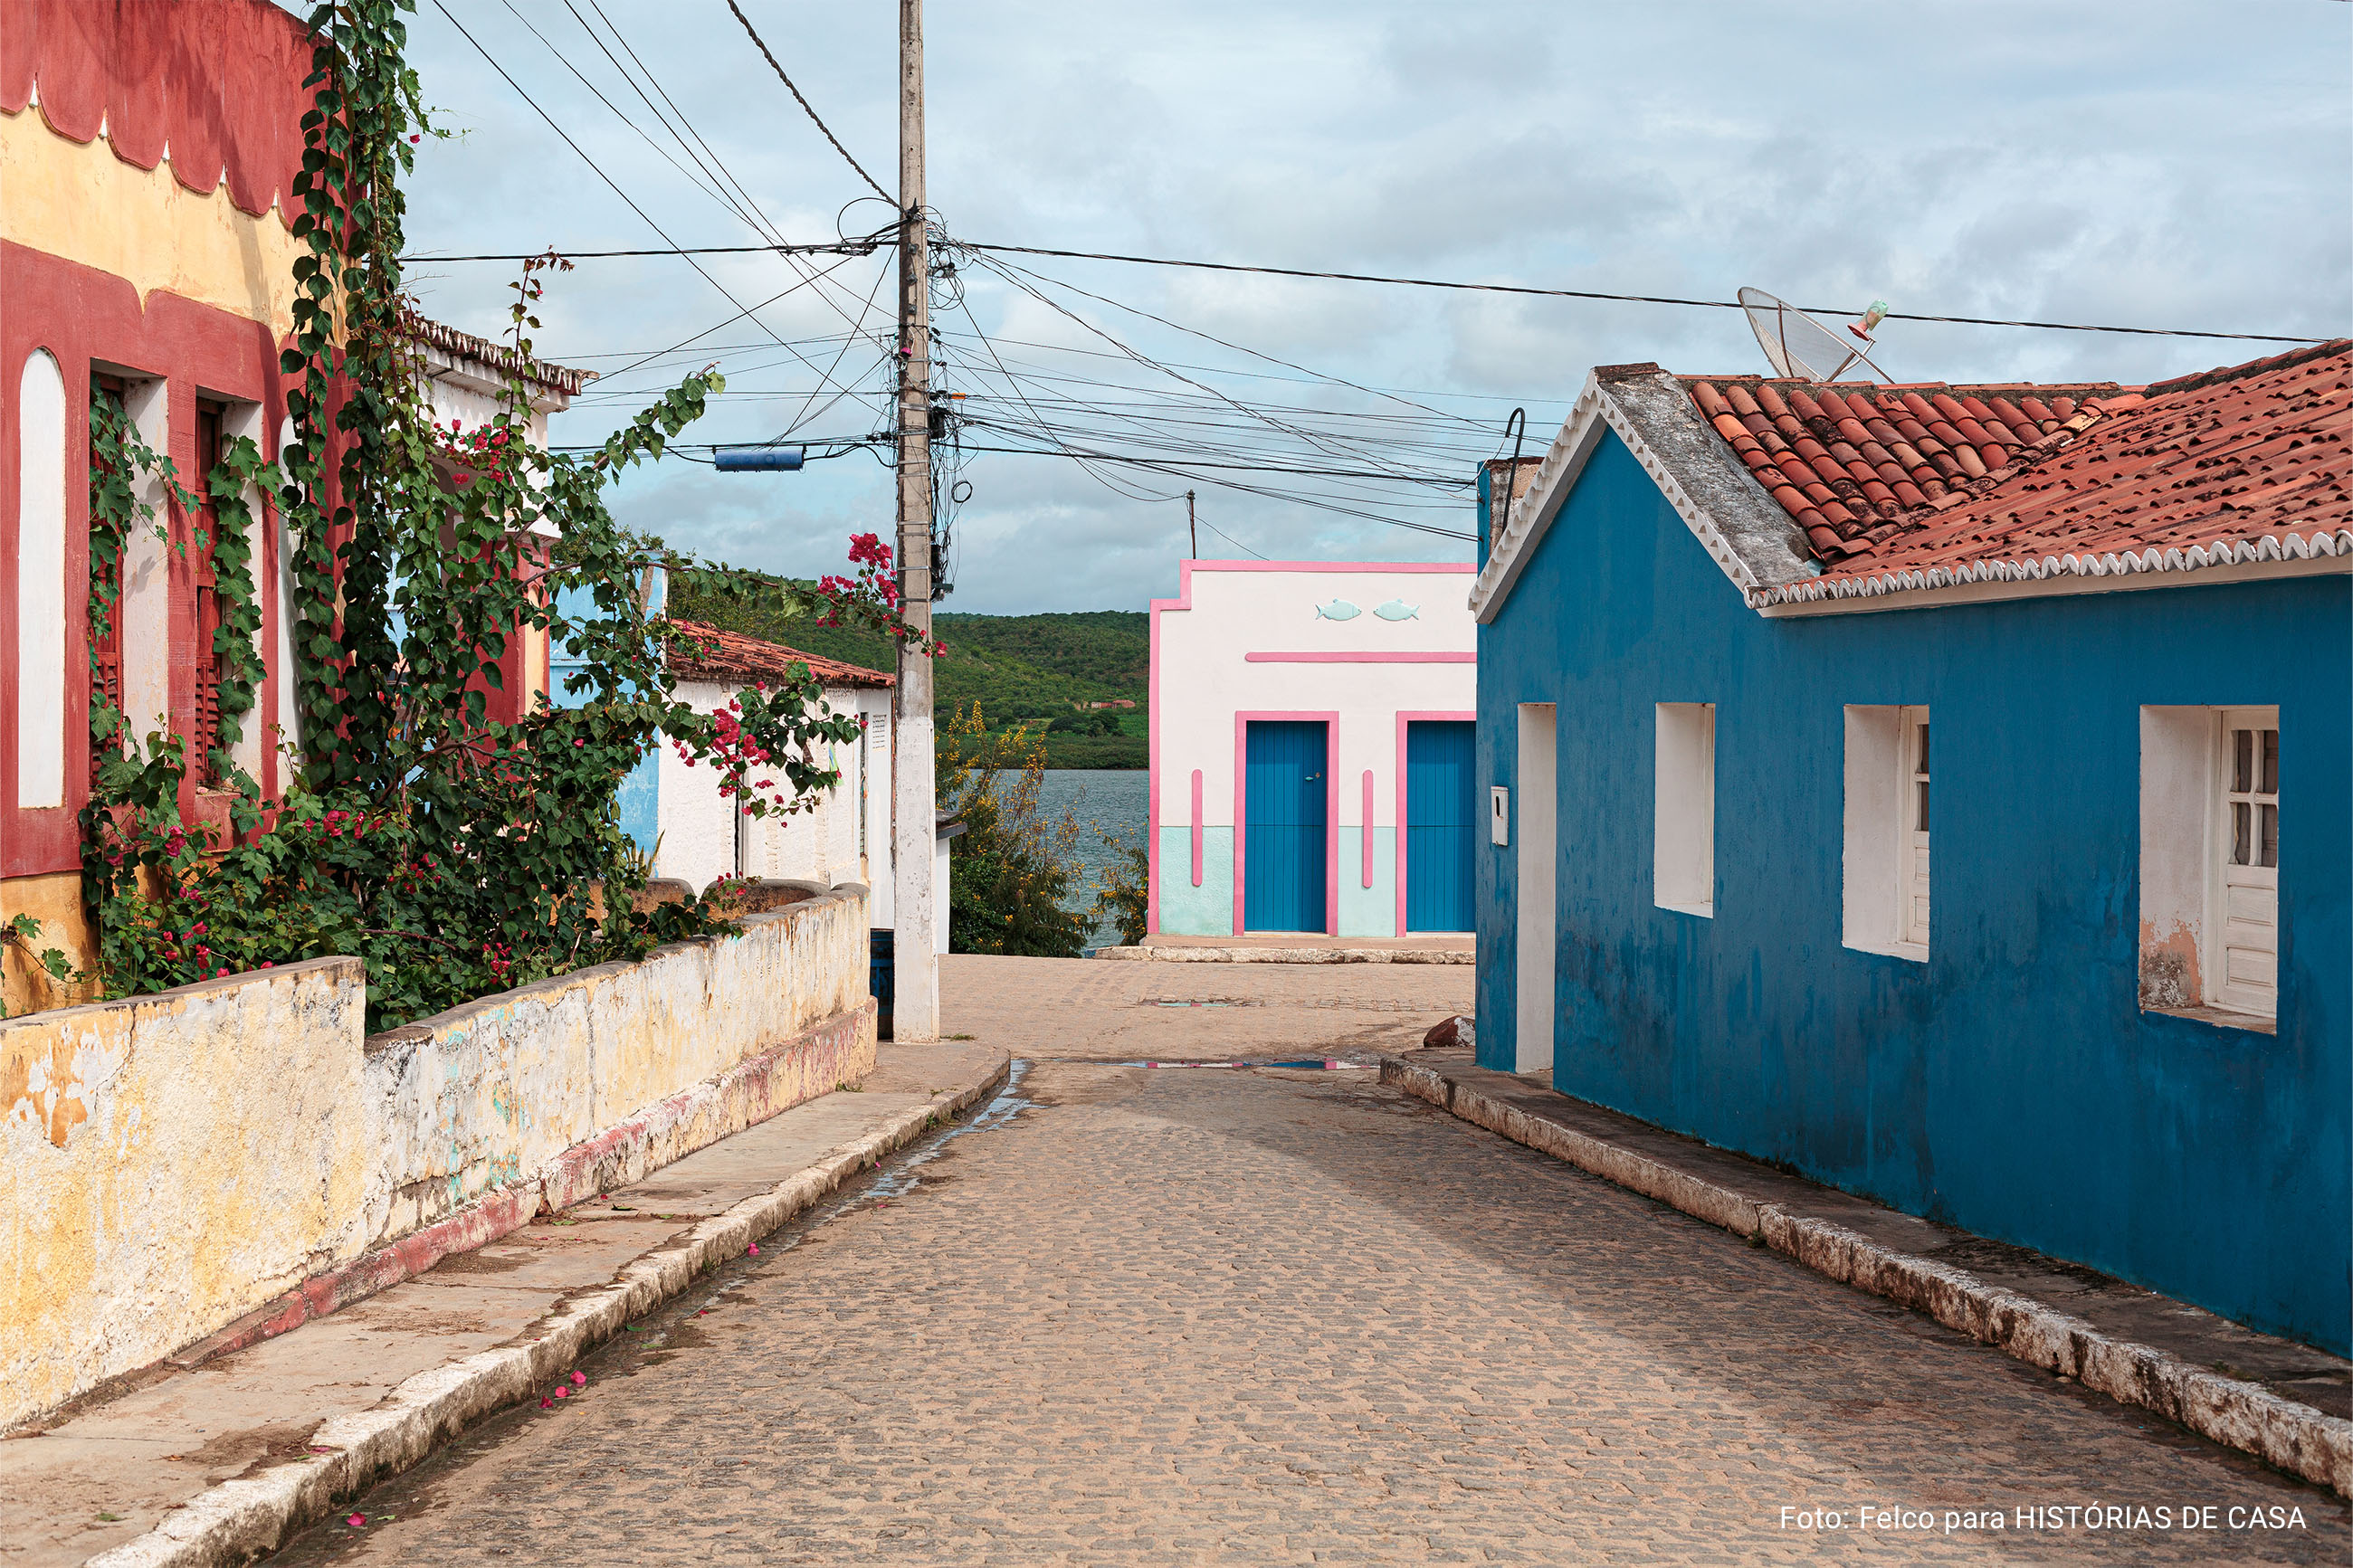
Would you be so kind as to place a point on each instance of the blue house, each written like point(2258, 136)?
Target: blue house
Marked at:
point(2079, 974)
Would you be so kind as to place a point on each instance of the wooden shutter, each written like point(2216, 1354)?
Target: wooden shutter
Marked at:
point(2246, 978)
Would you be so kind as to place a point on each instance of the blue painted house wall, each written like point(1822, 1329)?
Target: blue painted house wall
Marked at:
point(637, 803)
point(2011, 1085)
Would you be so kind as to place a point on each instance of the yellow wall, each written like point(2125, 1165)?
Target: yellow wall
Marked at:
point(82, 202)
point(56, 901)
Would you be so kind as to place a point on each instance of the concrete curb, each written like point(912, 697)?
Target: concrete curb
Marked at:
point(2293, 1437)
point(1288, 955)
point(239, 1520)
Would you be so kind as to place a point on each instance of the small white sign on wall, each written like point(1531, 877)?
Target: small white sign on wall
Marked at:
point(1499, 814)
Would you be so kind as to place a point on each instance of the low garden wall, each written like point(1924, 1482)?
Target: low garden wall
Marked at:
point(227, 1158)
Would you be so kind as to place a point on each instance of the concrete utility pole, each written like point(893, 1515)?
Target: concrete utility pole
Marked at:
point(914, 943)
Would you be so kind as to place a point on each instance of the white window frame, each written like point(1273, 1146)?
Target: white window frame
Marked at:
point(1683, 816)
point(2185, 843)
point(1884, 847)
point(2235, 886)
point(1913, 865)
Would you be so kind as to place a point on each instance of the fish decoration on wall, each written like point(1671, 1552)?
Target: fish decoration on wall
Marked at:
point(1398, 610)
point(1337, 610)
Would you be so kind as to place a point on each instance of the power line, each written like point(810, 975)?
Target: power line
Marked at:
point(1626, 299)
point(804, 103)
point(832, 247)
point(1425, 283)
point(742, 311)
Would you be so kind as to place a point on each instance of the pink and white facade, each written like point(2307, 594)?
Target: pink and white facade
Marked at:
point(1364, 649)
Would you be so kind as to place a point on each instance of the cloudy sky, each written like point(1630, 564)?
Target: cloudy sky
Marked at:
point(2152, 165)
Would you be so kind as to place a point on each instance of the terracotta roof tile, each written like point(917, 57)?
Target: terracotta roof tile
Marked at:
point(705, 652)
point(1896, 479)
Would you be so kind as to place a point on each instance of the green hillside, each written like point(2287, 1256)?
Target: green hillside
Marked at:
point(1043, 668)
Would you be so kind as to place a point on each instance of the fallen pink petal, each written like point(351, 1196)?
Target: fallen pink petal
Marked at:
point(562, 1394)
point(355, 1519)
point(579, 1378)
point(755, 1249)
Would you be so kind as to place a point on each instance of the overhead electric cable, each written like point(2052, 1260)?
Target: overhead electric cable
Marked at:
point(1442, 283)
point(804, 105)
point(867, 246)
point(1625, 299)
point(1237, 348)
point(742, 311)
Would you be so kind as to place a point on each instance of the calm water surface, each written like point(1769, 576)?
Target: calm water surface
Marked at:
point(1104, 800)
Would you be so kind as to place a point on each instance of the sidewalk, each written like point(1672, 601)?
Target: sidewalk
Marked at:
point(1309, 948)
point(220, 1461)
point(2286, 1403)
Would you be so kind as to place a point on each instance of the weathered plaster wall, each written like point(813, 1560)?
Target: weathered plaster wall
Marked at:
point(55, 900)
point(2012, 1083)
point(179, 1160)
point(82, 202)
point(699, 830)
point(483, 1095)
point(172, 1160)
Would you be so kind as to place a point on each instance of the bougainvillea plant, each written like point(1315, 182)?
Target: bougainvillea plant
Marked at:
point(455, 852)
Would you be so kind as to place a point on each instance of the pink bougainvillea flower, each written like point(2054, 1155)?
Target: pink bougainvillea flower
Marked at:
point(355, 1519)
point(547, 1405)
point(755, 1249)
point(578, 1378)
point(562, 1394)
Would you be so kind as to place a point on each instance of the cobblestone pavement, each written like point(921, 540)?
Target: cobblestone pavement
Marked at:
point(1179, 1316)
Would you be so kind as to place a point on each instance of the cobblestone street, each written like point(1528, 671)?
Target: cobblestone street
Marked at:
point(1161, 1315)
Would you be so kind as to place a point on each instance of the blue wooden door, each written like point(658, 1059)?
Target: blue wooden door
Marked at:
point(1283, 870)
point(1439, 806)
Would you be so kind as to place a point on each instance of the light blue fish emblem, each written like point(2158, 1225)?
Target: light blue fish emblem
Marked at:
point(1398, 610)
point(1338, 610)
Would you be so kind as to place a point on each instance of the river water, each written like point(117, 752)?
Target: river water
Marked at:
point(1104, 800)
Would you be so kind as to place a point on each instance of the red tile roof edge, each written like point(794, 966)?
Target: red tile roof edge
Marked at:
point(450, 341)
point(732, 656)
point(2273, 545)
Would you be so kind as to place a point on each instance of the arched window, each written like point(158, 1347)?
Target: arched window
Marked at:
point(41, 597)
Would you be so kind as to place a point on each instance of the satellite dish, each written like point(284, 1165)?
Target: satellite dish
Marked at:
point(1800, 348)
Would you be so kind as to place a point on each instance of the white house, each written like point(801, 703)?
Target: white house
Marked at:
point(845, 837)
point(1311, 757)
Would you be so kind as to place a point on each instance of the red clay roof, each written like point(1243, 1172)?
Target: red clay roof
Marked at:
point(706, 653)
point(1912, 478)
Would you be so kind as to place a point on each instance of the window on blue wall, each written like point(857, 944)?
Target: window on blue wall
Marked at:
point(2210, 863)
point(1683, 813)
point(1885, 896)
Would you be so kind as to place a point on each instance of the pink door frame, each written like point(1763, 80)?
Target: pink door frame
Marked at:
point(1331, 722)
point(1403, 719)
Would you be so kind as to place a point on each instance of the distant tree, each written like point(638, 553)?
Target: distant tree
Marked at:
point(1012, 871)
point(1121, 896)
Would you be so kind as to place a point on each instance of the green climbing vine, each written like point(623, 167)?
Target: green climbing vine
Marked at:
point(455, 850)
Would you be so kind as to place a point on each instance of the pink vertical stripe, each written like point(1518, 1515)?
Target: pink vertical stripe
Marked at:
point(1197, 828)
point(1366, 878)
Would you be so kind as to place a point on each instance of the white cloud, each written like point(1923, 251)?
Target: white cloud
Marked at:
point(2008, 159)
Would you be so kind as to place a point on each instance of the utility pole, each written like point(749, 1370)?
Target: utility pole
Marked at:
point(915, 958)
point(1192, 532)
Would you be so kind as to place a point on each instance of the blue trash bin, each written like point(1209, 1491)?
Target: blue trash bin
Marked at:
point(880, 977)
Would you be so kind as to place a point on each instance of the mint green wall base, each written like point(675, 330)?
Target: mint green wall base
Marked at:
point(1367, 911)
point(1205, 911)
